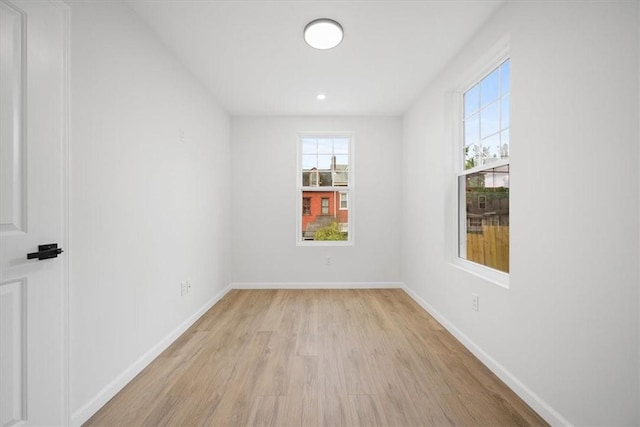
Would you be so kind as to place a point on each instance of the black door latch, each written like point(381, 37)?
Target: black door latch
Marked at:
point(46, 251)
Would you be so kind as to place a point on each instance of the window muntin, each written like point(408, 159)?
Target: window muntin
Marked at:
point(483, 180)
point(325, 162)
point(325, 178)
point(486, 119)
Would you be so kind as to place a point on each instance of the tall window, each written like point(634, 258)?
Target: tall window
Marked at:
point(306, 206)
point(483, 178)
point(344, 200)
point(325, 183)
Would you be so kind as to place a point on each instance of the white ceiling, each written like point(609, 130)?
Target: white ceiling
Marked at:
point(253, 59)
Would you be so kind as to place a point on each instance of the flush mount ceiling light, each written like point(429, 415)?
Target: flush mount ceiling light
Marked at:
point(323, 33)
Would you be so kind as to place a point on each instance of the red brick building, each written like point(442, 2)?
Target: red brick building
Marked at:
point(321, 208)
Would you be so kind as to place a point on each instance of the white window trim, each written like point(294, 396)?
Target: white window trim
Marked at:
point(457, 229)
point(349, 189)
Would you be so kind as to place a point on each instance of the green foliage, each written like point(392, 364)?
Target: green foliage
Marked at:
point(330, 232)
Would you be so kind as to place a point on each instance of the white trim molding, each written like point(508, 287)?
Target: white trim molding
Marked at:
point(537, 404)
point(316, 285)
point(107, 393)
point(543, 409)
point(66, 225)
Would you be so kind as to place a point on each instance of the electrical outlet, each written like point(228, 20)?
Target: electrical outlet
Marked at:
point(183, 289)
point(475, 302)
point(328, 261)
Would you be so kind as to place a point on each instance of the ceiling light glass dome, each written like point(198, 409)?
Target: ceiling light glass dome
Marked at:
point(323, 33)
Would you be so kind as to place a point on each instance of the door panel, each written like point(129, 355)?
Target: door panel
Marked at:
point(32, 211)
point(12, 149)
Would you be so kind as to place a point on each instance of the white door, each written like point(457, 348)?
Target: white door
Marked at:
point(33, 293)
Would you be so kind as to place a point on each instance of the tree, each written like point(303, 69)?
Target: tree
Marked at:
point(330, 232)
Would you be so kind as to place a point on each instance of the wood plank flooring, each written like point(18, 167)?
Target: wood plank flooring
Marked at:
point(316, 358)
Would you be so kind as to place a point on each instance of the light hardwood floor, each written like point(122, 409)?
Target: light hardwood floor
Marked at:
point(316, 358)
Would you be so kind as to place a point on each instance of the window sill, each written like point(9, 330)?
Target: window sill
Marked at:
point(311, 243)
point(489, 274)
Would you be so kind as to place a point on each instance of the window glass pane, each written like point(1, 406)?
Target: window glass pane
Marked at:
point(342, 160)
point(486, 239)
point(504, 141)
point(471, 101)
point(341, 146)
point(489, 88)
point(490, 120)
point(325, 179)
point(472, 130)
point(309, 161)
point(470, 156)
point(491, 148)
point(340, 179)
point(310, 178)
point(505, 77)
point(332, 169)
point(327, 216)
point(324, 161)
point(309, 145)
point(325, 146)
point(505, 116)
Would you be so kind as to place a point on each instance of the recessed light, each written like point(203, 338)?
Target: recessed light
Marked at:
point(323, 33)
point(321, 96)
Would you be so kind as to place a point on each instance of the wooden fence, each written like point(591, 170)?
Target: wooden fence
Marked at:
point(490, 248)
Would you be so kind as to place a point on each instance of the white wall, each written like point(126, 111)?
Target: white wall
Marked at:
point(565, 335)
point(147, 210)
point(264, 203)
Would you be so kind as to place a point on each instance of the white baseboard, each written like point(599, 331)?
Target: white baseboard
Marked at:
point(543, 409)
point(315, 285)
point(533, 400)
point(90, 408)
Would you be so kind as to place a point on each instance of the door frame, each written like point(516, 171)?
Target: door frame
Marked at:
point(65, 110)
point(65, 174)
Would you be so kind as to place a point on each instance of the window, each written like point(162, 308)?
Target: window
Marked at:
point(325, 181)
point(482, 202)
point(344, 200)
point(483, 176)
point(314, 178)
point(306, 206)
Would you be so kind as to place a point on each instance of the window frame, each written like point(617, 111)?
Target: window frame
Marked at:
point(494, 59)
point(349, 189)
